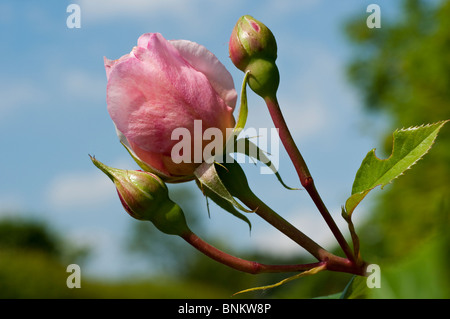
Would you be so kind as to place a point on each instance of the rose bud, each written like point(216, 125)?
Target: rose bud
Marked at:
point(253, 48)
point(145, 197)
point(161, 86)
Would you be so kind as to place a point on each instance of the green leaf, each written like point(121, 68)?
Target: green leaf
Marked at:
point(408, 147)
point(356, 289)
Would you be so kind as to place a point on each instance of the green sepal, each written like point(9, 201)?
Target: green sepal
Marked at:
point(223, 203)
point(206, 174)
point(212, 187)
point(243, 108)
point(233, 142)
point(253, 151)
point(147, 168)
point(305, 273)
point(239, 126)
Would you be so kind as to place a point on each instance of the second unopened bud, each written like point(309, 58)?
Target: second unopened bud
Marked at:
point(145, 197)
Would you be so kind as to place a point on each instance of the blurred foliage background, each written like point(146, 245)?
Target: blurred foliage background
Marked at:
point(403, 72)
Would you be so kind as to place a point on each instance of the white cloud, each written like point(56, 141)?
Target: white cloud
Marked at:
point(86, 188)
point(79, 189)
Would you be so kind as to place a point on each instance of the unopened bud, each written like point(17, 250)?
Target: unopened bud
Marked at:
point(145, 197)
point(253, 48)
point(251, 39)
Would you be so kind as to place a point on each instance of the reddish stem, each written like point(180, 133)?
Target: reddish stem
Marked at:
point(333, 262)
point(303, 172)
point(270, 216)
point(247, 266)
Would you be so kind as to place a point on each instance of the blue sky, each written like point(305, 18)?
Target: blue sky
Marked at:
point(53, 112)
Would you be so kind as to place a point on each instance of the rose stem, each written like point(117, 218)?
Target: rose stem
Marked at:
point(333, 262)
point(303, 172)
point(247, 266)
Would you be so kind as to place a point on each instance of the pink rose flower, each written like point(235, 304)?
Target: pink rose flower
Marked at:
point(164, 85)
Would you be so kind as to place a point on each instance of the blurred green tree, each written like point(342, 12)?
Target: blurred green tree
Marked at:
point(33, 260)
point(403, 71)
point(28, 235)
